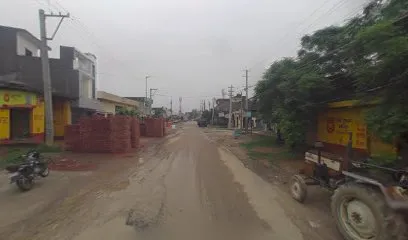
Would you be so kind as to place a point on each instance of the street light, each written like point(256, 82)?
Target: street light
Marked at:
point(147, 77)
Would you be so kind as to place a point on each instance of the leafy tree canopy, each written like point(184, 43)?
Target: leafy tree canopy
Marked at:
point(365, 59)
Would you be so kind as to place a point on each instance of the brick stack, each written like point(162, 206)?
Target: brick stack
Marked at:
point(85, 131)
point(135, 133)
point(100, 138)
point(154, 127)
point(143, 129)
point(148, 125)
point(164, 126)
point(102, 135)
point(72, 140)
point(121, 135)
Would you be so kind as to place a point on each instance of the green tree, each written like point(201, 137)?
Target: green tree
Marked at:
point(365, 59)
point(159, 112)
point(195, 114)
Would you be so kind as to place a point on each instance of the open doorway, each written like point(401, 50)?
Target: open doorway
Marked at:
point(19, 123)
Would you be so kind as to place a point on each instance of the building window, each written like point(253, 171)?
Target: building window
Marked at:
point(28, 52)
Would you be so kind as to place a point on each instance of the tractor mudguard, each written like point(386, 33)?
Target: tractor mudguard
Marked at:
point(392, 194)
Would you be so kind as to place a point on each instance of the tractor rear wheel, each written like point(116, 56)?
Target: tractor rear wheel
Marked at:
point(361, 213)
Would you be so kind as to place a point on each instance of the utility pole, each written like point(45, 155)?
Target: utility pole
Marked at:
point(230, 91)
point(209, 105)
point(180, 101)
point(212, 117)
point(242, 112)
point(151, 98)
point(246, 99)
point(171, 106)
point(145, 101)
point(45, 64)
point(151, 90)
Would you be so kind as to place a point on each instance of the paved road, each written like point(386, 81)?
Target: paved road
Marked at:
point(185, 188)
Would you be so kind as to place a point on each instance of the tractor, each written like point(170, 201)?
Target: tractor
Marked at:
point(368, 202)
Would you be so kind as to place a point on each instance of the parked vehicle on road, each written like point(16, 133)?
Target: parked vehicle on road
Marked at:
point(202, 123)
point(25, 173)
point(369, 201)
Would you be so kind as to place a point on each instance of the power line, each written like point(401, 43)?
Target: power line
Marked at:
point(329, 12)
point(316, 10)
point(353, 13)
point(77, 25)
point(308, 63)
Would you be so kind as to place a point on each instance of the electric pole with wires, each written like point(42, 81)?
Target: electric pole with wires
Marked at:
point(45, 65)
point(246, 101)
point(230, 92)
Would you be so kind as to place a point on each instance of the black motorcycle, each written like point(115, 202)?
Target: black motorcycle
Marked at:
point(24, 174)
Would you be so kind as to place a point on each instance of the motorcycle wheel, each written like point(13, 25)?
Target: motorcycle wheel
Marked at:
point(24, 184)
point(45, 172)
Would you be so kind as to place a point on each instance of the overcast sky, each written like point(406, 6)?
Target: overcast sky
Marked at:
point(191, 48)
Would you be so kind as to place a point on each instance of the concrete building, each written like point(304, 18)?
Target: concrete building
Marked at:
point(84, 64)
point(21, 87)
point(222, 108)
point(111, 103)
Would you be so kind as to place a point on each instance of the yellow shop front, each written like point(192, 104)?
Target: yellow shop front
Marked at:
point(22, 116)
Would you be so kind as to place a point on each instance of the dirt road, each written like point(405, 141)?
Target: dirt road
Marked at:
point(186, 187)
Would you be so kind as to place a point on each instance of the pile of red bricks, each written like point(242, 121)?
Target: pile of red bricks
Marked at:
point(143, 129)
point(155, 127)
point(135, 133)
point(120, 134)
point(72, 137)
point(115, 134)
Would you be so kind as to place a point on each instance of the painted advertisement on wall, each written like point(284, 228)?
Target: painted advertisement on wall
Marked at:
point(336, 124)
point(17, 98)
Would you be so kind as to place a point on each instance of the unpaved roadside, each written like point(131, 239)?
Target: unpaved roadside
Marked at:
point(315, 212)
point(63, 203)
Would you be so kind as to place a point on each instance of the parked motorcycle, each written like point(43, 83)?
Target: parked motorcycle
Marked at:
point(25, 173)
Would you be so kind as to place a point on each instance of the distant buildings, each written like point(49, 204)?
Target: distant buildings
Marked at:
point(113, 104)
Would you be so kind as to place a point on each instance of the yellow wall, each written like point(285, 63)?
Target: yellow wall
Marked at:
point(37, 118)
point(67, 112)
point(62, 117)
point(4, 124)
point(335, 124)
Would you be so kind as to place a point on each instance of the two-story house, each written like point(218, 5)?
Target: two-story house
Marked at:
point(84, 64)
point(21, 87)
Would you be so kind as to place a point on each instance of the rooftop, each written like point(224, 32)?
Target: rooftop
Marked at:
point(116, 99)
point(24, 33)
